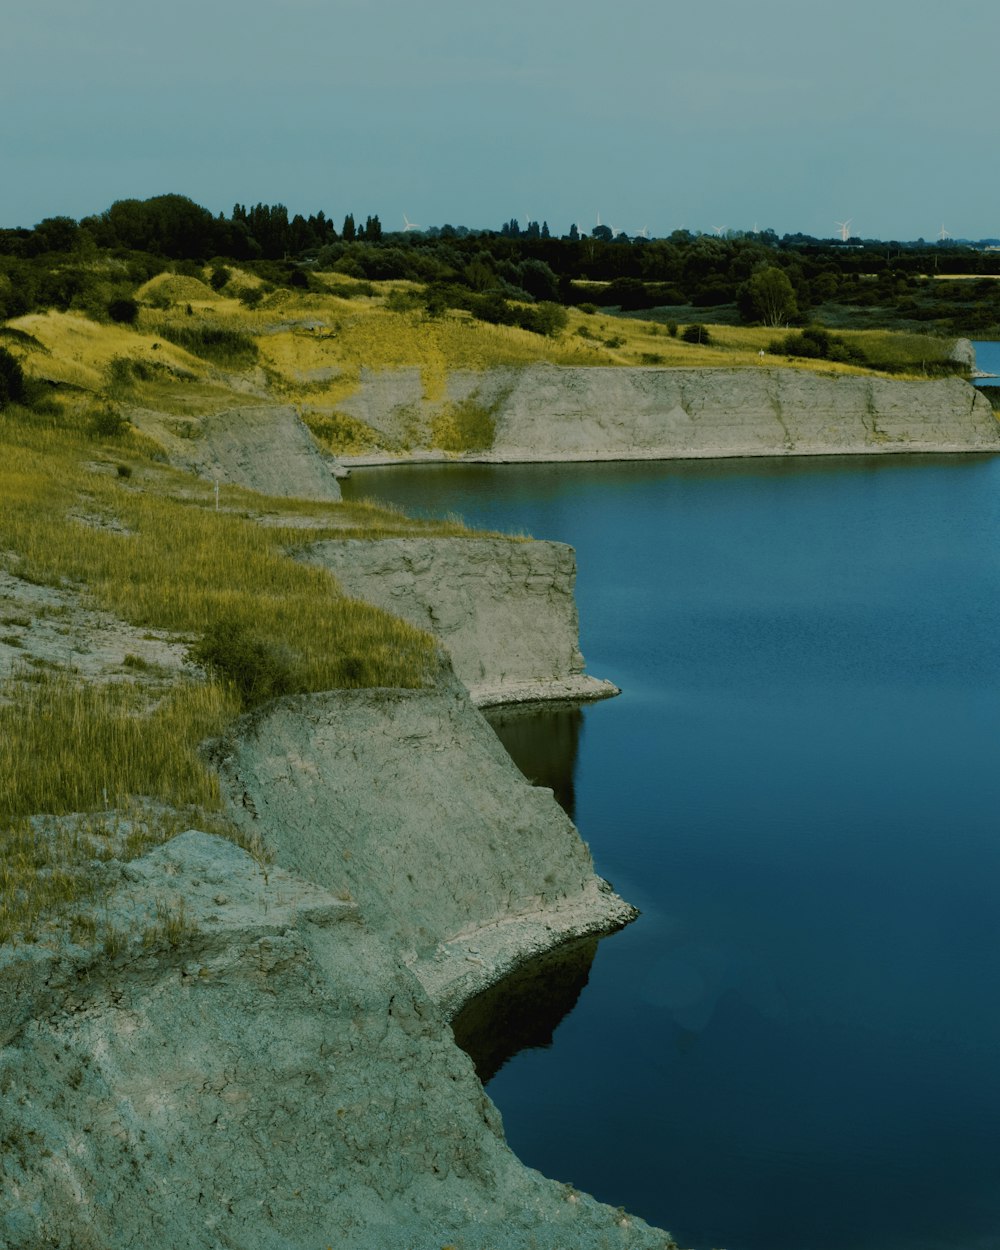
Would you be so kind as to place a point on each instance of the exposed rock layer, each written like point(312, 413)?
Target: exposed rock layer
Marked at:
point(406, 802)
point(504, 610)
point(265, 1077)
point(264, 447)
point(544, 412)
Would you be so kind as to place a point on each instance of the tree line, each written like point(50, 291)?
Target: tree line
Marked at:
point(759, 277)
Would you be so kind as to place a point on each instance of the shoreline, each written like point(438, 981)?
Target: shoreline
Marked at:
point(384, 460)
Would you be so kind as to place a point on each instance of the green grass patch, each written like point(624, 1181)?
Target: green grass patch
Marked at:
point(341, 434)
point(464, 426)
point(260, 622)
point(222, 345)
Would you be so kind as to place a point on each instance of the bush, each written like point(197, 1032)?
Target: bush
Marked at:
point(124, 311)
point(108, 422)
point(696, 333)
point(817, 343)
point(12, 385)
point(545, 318)
point(219, 277)
point(250, 296)
point(257, 668)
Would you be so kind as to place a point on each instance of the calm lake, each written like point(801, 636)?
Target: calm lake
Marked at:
point(797, 1045)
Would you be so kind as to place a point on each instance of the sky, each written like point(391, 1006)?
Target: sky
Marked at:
point(649, 114)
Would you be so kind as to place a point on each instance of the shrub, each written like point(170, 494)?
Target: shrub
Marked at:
point(817, 343)
point(257, 668)
point(545, 318)
point(219, 277)
point(108, 422)
point(12, 384)
point(124, 311)
point(695, 333)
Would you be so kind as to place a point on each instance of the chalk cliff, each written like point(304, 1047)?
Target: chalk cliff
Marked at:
point(261, 446)
point(504, 610)
point(406, 802)
point(546, 412)
point(253, 1068)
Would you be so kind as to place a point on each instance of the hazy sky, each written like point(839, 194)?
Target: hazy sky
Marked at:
point(652, 113)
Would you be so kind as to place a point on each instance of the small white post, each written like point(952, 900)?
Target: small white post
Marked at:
point(217, 494)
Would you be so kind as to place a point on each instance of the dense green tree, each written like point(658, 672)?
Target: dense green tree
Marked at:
point(55, 234)
point(768, 296)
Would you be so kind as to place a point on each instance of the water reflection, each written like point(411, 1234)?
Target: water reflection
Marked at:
point(543, 740)
point(523, 1011)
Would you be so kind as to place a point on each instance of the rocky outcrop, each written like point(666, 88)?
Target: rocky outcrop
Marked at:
point(406, 802)
point(254, 1069)
point(504, 610)
point(963, 353)
point(262, 447)
point(545, 412)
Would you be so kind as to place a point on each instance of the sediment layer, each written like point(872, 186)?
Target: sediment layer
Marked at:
point(546, 412)
point(406, 802)
point(254, 1068)
point(504, 611)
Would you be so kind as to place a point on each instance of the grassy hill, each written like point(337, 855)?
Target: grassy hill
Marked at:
point(195, 350)
point(96, 521)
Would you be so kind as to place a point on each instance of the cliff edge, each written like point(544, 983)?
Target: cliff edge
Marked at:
point(253, 1068)
point(548, 412)
point(505, 611)
point(406, 802)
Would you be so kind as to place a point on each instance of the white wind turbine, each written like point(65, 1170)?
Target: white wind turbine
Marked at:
point(844, 228)
point(944, 234)
point(408, 225)
point(719, 229)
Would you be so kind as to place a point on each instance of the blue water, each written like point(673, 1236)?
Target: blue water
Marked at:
point(797, 1045)
point(988, 359)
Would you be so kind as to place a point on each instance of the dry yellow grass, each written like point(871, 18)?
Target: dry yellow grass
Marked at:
point(177, 289)
point(174, 563)
point(313, 348)
point(78, 351)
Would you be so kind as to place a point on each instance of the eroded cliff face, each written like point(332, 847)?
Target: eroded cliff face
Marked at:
point(504, 611)
point(406, 802)
point(262, 1075)
point(546, 412)
point(264, 447)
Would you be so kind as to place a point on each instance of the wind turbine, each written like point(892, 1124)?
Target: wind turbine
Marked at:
point(719, 229)
point(844, 228)
point(643, 233)
point(944, 234)
point(408, 225)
